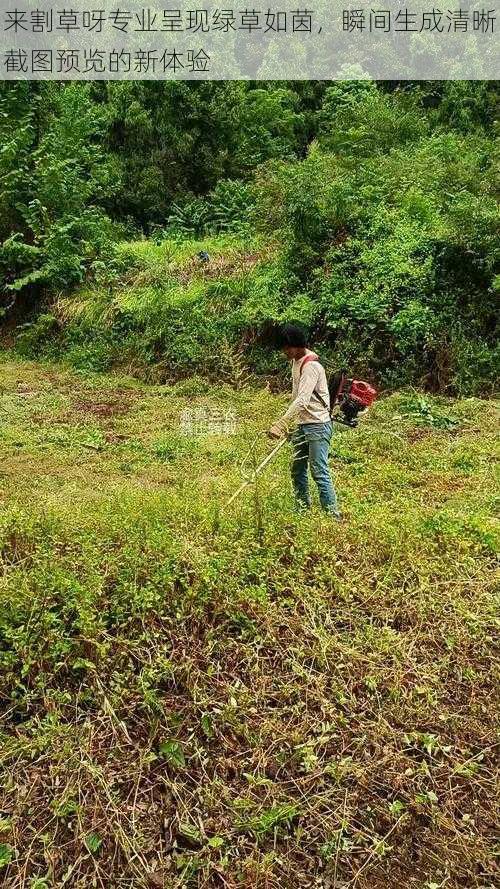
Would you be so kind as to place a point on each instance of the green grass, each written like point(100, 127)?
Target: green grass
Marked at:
point(197, 698)
point(156, 261)
point(157, 312)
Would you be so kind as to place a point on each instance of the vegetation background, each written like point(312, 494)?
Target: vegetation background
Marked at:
point(366, 210)
point(200, 698)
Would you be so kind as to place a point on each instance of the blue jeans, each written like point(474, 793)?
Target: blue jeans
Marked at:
point(311, 444)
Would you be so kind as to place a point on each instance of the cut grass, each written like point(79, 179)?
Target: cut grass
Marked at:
point(195, 698)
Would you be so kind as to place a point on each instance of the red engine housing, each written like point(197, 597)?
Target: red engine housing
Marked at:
point(362, 392)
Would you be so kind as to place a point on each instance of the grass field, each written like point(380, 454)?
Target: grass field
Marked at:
point(243, 699)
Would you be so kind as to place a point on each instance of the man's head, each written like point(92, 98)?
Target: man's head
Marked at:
point(292, 340)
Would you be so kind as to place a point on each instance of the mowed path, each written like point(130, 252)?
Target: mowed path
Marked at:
point(197, 698)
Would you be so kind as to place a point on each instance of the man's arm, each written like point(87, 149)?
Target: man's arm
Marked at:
point(307, 384)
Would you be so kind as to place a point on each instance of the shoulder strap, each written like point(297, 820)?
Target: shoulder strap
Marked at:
point(305, 360)
point(313, 357)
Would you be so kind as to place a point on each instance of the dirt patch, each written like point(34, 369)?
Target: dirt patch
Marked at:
point(114, 438)
point(103, 410)
point(414, 435)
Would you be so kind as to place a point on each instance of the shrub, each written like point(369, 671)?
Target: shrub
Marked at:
point(56, 180)
point(228, 208)
point(391, 262)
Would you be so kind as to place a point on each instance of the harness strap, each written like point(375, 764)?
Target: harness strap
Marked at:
point(307, 358)
point(312, 357)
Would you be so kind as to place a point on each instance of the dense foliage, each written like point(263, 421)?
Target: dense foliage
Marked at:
point(378, 200)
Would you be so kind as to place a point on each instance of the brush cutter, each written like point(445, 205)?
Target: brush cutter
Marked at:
point(349, 397)
point(258, 469)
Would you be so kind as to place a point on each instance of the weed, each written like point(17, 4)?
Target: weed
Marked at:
point(194, 697)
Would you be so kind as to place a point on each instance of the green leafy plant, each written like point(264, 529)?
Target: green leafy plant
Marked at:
point(93, 842)
point(6, 854)
point(173, 753)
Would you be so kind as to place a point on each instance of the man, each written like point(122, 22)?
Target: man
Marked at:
point(310, 412)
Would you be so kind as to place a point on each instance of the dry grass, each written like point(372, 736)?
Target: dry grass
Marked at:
point(194, 699)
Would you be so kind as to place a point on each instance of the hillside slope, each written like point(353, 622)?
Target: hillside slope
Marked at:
point(159, 312)
point(198, 699)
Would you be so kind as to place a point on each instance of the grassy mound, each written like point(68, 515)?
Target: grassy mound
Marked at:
point(157, 311)
point(193, 697)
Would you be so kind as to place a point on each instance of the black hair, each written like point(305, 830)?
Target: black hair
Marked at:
point(291, 335)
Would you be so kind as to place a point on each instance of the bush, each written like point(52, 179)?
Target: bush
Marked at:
point(230, 207)
point(38, 336)
point(382, 237)
point(391, 262)
point(55, 183)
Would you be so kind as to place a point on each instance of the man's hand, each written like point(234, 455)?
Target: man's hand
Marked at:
point(275, 431)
